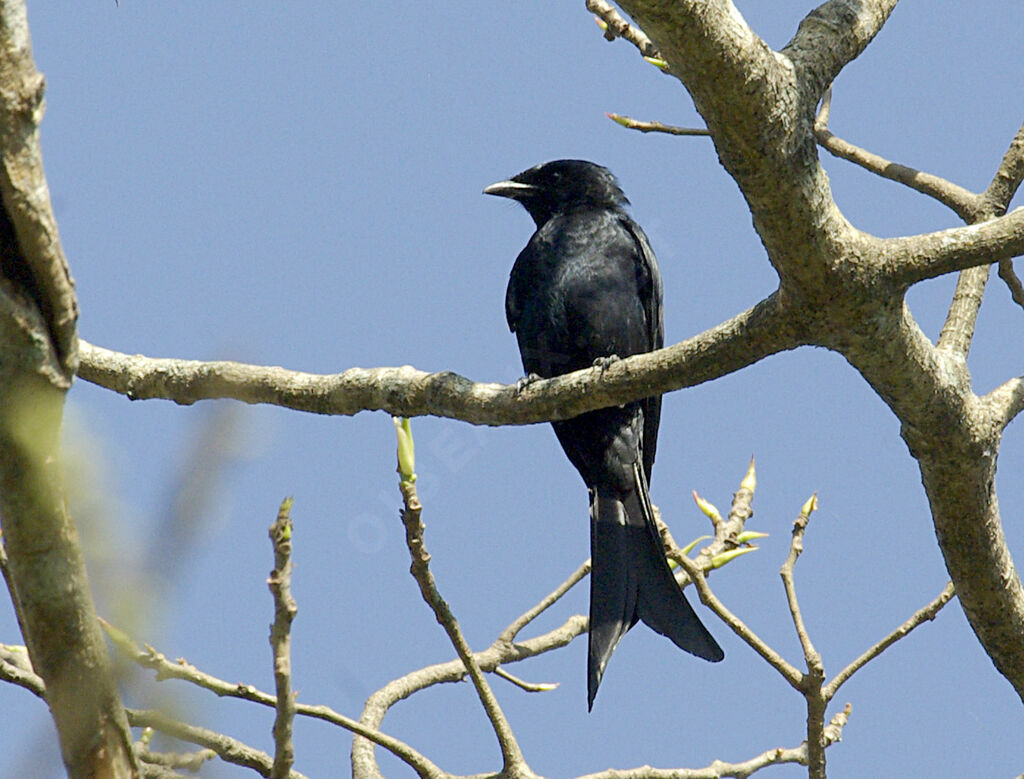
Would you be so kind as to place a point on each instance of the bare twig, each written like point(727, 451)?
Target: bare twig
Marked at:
point(796, 547)
point(815, 676)
point(719, 768)
point(285, 610)
point(229, 749)
point(655, 127)
point(16, 668)
point(1013, 283)
point(190, 761)
point(512, 756)
point(617, 27)
point(524, 685)
point(962, 201)
point(500, 652)
point(749, 637)
point(149, 657)
point(922, 615)
point(1008, 176)
point(509, 634)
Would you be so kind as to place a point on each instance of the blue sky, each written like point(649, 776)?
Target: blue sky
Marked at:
point(299, 185)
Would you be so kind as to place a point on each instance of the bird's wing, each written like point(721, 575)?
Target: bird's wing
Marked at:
point(649, 284)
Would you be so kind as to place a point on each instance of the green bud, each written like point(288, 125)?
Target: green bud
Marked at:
point(750, 480)
point(708, 508)
point(721, 559)
point(810, 506)
point(406, 449)
point(749, 535)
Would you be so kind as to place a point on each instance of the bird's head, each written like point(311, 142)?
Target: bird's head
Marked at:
point(555, 187)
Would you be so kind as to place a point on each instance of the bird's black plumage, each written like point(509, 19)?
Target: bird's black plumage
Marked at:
point(587, 287)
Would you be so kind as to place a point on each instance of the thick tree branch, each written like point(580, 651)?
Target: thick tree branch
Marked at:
point(37, 269)
point(832, 36)
point(759, 106)
point(958, 329)
point(908, 260)
point(1005, 402)
point(765, 329)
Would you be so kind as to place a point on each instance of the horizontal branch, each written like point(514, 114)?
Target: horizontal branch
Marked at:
point(656, 127)
point(765, 329)
point(719, 768)
point(908, 260)
point(228, 749)
point(148, 657)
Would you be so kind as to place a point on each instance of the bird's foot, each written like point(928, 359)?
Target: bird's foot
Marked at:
point(604, 363)
point(527, 380)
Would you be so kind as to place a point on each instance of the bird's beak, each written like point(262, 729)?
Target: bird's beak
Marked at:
point(512, 189)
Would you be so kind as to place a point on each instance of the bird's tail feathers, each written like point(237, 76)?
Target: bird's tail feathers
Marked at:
point(630, 580)
point(613, 586)
point(661, 603)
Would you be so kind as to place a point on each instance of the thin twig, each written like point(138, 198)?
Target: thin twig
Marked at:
point(228, 749)
point(1012, 280)
point(190, 761)
point(719, 768)
point(285, 610)
point(796, 547)
point(512, 756)
point(961, 200)
point(617, 27)
point(749, 637)
point(656, 127)
point(1008, 176)
point(922, 615)
point(149, 657)
point(815, 676)
point(524, 685)
point(16, 668)
point(509, 634)
point(498, 653)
